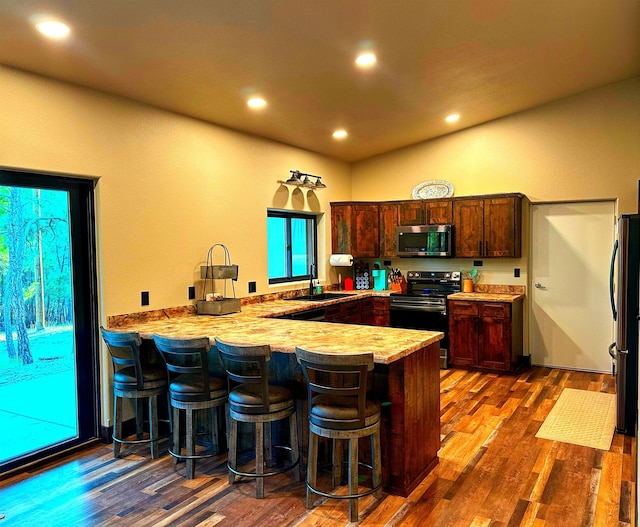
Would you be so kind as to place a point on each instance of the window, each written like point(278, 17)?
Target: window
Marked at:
point(291, 237)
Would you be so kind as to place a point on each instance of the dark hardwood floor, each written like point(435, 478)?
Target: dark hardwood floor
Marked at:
point(493, 471)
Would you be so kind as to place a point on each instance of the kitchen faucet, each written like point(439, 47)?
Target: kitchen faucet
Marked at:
point(311, 280)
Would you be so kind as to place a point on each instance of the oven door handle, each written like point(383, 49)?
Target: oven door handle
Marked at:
point(427, 309)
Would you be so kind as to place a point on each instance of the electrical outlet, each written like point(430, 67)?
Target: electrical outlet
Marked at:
point(387, 263)
point(144, 298)
point(516, 273)
point(192, 292)
point(252, 287)
point(477, 263)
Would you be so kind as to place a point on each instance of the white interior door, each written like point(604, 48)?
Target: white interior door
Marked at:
point(571, 324)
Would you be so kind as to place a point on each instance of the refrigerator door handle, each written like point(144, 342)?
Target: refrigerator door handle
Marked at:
point(612, 269)
point(612, 352)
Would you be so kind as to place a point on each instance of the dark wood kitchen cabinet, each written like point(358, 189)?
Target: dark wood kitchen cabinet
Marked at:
point(375, 311)
point(486, 335)
point(388, 221)
point(370, 311)
point(468, 236)
point(412, 212)
point(439, 212)
point(355, 229)
point(484, 226)
point(344, 312)
point(488, 227)
point(425, 212)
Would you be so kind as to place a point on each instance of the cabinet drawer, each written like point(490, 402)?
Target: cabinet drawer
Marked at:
point(375, 303)
point(352, 308)
point(459, 307)
point(380, 303)
point(496, 310)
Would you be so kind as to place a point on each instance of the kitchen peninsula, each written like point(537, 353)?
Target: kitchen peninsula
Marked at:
point(406, 377)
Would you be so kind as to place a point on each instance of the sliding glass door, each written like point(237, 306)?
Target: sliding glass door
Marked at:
point(48, 316)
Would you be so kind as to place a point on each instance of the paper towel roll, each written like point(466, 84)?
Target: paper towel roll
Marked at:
point(341, 260)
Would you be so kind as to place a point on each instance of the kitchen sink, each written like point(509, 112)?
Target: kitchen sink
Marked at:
point(322, 297)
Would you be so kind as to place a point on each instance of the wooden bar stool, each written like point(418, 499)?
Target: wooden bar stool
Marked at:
point(253, 400)
point(339, 410)
point(136, 380)
point(191, 389)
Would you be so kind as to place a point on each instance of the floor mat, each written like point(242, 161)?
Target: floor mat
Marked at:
point(582, 418)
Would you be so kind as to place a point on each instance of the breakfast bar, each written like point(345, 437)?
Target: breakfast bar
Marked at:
point(406, 377)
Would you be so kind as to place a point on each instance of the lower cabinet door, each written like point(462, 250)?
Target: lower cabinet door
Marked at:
point(463, 340)
point(495, 344)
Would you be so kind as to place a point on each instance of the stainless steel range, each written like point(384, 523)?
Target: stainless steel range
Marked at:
point(424, 305)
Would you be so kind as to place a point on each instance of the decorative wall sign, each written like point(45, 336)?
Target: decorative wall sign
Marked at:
point(437, 188)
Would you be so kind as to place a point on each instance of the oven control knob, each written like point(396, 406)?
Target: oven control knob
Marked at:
point(455, 276)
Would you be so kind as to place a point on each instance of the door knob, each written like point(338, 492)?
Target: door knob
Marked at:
point(539, 286)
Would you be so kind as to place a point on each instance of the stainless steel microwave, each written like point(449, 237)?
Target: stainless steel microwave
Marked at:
point(425, 240)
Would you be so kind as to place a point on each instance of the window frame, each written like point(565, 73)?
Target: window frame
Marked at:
point(312, 244)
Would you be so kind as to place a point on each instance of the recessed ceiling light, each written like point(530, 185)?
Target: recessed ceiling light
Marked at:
point(53, 29)
point(452, 118)
point(256, 102)
point(364, 60)
point(340, 134)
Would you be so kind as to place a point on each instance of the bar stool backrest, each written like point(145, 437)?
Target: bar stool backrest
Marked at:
point(186, 357)
point(247, 365)
point(124, 348)
point(338, 378)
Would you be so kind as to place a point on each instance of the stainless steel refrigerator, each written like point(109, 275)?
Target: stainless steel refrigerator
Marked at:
point(624, 305)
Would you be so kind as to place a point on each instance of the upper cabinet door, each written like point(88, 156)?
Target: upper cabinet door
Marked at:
point(341, 228)
point(388, 214)
point(502, 226)
point(439, 212)
point(412, 213)
point(366, 243)
point(468, 225)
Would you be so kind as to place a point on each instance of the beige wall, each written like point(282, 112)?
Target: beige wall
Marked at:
point(579, 148)
point(169, 186)
point(584, 147)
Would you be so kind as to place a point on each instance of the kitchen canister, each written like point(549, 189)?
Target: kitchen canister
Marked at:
point(379, 277)
point(467, 285)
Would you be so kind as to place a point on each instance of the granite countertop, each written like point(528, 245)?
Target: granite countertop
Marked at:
point(255, 325)
point(486, 297)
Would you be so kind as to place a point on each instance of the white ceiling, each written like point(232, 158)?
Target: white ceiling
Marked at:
point(483, 59)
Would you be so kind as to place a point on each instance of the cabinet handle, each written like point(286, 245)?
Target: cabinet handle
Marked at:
point(486, 248)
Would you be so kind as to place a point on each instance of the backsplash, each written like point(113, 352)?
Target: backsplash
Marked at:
point(499, 271)
point(500, 289)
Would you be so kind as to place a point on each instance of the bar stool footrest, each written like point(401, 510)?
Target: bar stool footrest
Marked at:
point(344, 496)
point(280, 470)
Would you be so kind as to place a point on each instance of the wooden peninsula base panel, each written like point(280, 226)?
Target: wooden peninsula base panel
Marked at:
point(411, 422)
